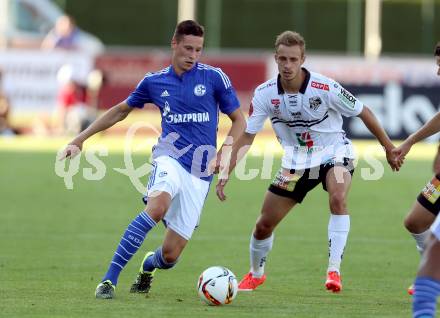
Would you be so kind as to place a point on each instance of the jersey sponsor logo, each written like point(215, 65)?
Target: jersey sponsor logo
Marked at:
point(276, 106)
point(320, 86)
point(286, 182)
point(275, 101)
point(166, 109)
point(199, 90)
point(171, 118)
point(432, 190)
point(315, 102)
point(304, 139)
point(165, 94)
point(187, 118)
point(293, 100)
point(345, 97)
point(296, 115)
point(266, 86)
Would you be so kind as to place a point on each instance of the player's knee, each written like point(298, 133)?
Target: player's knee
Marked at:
point(407, 222)
point(337, 202)
point(413, 226)
point(156, 211)
point(263, 230)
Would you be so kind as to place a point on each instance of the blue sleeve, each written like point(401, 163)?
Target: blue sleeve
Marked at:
point(224, 92)
point(140, 96)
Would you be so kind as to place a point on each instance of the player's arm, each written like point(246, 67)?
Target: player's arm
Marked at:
point(377, 130)
point(238, 124)
point(257, 116)
point(428, 129)
point(107, 120)
point(238, 151)
point(237, 127)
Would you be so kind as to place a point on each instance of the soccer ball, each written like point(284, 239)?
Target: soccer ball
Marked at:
point(217, 285)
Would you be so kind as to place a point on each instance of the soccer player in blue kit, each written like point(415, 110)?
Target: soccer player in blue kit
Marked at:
point(189, 95)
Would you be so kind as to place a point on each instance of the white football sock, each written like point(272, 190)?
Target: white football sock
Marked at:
point(258, 252)
point(421, 240)
point(338, 228)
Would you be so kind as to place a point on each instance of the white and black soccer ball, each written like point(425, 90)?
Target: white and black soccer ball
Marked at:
point(217, 285)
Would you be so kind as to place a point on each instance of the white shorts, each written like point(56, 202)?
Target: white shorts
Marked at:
point(188, 194)
point(435, 227)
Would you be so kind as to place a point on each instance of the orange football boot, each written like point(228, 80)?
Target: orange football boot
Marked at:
point(333, 282)
point(249, 283)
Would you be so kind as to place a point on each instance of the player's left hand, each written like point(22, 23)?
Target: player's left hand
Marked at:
point(219, 189)
point(394, 161)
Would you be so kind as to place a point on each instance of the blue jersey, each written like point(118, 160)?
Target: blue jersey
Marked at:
point(189, 105)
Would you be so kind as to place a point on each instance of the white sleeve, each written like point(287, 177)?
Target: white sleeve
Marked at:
point(257, 115)
point(343, 101)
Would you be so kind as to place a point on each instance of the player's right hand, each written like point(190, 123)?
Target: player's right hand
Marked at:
point(401, 151)
point(219, 189)
point(70, 151)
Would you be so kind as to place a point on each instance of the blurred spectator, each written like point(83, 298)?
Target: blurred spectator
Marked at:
point(65, 35)
point(5, 107)
point(73, 111)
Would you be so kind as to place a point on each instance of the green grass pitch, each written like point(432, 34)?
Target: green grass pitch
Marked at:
point(56, 244)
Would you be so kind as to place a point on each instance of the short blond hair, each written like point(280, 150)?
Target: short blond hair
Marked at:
point(290, 38)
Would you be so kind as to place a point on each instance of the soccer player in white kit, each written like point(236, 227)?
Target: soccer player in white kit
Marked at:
point(305, 109)
point(427, 284)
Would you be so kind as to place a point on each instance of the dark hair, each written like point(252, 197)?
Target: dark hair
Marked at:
point(188, 27)
point(437, 49)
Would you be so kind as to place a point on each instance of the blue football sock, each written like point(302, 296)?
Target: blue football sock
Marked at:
point(426, 291)
point(129, 244)
point(156, 261)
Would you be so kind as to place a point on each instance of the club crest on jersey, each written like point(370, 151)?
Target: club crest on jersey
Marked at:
point(315, 102)
point(320, 86)
point(199, 90)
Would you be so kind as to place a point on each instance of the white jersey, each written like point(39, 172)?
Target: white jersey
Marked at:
point(308, 124)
